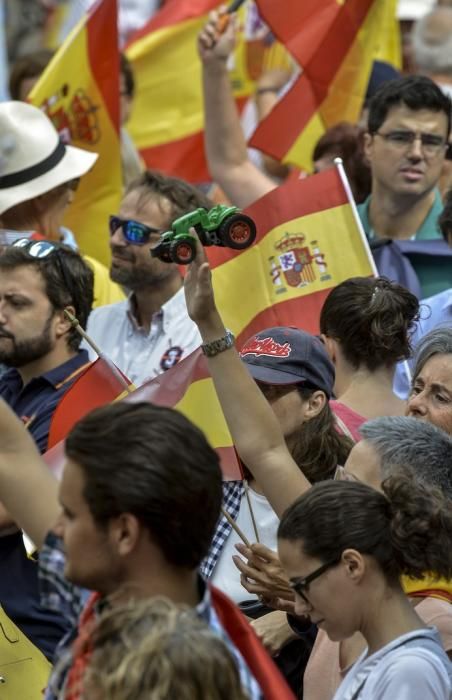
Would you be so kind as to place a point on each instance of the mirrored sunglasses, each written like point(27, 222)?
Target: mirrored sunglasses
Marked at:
point(133, 231)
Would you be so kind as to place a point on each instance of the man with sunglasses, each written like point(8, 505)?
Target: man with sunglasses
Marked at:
point(151, 331)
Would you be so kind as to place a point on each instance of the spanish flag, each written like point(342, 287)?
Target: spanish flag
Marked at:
point(79, 91)
point(335, 47)
point(309, 239)
point(188, 387)
point(100, 383)
point(167, 120)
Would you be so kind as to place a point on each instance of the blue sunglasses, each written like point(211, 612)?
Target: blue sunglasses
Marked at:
point(133, 231)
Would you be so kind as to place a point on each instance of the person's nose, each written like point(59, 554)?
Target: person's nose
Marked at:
point(117, 239)
point(417, 404)
point(302, 607)
point(58, 527)
point(415, 151)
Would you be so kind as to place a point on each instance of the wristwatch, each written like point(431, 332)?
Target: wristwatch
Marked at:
point(214, 347)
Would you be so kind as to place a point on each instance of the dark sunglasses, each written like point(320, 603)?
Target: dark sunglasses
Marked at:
point(44, 249)
point(133, 231)
point(301, 585)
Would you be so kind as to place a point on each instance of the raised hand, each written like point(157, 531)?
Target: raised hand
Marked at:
point(217, 39)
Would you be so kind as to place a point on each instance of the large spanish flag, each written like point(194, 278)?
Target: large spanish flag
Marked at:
point(79, 90)
point(167, 121)
point(188, 387)
point(309, 239)
point(335, 48)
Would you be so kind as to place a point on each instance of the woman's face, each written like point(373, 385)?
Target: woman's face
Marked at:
point(430, 398)
point(288, 406)
point(328, 599)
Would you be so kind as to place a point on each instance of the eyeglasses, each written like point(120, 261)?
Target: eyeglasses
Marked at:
point(432, 145)
point(301, 585)
point(41, 250)
point(133, 231)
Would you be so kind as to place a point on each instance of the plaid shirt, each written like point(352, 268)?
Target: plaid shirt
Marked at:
point(232, 498)
point(58, 594)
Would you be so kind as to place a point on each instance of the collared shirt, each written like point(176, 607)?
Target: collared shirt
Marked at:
point(36, 402)
point(58, 594)
point(142, 354)
point(434, 311)
point(434, 277)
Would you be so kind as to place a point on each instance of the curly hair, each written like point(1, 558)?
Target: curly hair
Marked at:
point(407, 529)
point(155, 650)
point(371, 319)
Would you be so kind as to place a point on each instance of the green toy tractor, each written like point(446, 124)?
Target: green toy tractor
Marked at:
point(222, 226)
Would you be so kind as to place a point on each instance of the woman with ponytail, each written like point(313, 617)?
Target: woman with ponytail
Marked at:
point(366, 325)
point(345, 547)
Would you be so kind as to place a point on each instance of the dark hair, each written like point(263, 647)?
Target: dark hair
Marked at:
point(319, 447)
point(154, 463)
point(445, 218)
point(31, 65)
point(346, 141)
point(74, 287)
point(415, 92)
point(125, 69)
point(182, 196)
point(371, 318)
point(407, 529)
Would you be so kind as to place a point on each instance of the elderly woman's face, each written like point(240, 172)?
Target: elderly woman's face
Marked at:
point(431, 393)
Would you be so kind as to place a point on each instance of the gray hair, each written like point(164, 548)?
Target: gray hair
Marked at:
point(437, 342)
point(432, 45)
point(412, 445)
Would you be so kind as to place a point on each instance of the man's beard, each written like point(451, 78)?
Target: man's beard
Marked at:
point(22, 352)
point(135, 278)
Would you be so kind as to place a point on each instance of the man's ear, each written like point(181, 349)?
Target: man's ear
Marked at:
point(368, 146)
point(63, 324)
point(124, 533)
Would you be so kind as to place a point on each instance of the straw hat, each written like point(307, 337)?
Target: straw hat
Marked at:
point(33, 160)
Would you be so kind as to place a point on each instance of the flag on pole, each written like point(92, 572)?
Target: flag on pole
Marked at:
point(101, 383)
point(309, 239)
point(335, 46)
point(79, 91)
point(189, 388)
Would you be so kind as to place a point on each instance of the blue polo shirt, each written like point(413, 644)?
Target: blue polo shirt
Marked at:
point(435, 275)
point(37, 400)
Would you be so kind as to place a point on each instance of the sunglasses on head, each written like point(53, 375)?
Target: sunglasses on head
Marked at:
point(44, 249)
point(133, 231)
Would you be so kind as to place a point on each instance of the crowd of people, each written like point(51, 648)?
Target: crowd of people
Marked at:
point(138, 571)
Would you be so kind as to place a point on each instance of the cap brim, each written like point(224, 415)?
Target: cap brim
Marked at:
point(272, 376)
point(75, 163)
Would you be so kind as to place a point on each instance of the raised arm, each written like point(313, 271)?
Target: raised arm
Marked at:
point(226, 150)
point(254, 428)
point(28, 490)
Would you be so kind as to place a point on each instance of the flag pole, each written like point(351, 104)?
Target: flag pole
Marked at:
point(235, 527)
point(223, 21)
point(348, 190)
point(76, 324)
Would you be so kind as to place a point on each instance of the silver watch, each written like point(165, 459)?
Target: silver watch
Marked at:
point(214, 347)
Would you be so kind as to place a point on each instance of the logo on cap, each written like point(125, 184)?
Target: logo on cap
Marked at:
point(266, 346)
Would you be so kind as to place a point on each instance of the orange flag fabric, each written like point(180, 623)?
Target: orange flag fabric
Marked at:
point(101, 383)
point(309, 239)
point(335, 45)
point(188, 387)
point(79, 91)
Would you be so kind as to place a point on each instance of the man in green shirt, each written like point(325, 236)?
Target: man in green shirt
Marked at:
point(406, 143)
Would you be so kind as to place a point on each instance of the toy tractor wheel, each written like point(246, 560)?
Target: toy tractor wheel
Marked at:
point(183, 252)
point(237, 231)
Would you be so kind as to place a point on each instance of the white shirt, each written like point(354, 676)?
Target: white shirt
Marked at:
point(409, 668)
point(139, 354)
point(226, 576)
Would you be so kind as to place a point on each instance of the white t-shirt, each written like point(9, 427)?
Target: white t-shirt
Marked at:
point(412, 667)
point(226, 576)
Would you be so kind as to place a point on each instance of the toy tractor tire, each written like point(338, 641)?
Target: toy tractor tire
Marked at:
point(183, 252)
point(237, 231)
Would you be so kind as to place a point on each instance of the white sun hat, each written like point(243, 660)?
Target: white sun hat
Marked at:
point(414, 9)
point(33, 160)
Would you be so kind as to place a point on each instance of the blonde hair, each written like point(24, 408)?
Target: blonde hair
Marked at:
point(155, 650)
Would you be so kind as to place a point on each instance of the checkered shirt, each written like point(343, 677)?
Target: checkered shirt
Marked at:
point(232, 498)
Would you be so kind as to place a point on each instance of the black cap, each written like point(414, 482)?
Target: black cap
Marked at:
point(284, 355)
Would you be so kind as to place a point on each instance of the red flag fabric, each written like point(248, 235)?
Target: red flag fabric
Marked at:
point(272, 684)
point(101, 383)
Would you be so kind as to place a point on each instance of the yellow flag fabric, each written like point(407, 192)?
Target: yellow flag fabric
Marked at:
point(79, 91)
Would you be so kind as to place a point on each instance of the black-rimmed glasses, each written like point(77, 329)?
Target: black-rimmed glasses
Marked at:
point(300, 586)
